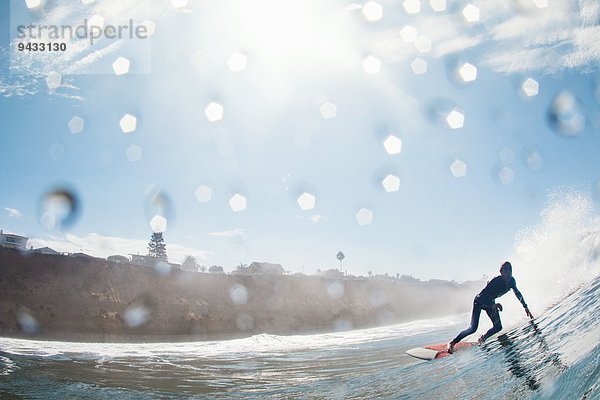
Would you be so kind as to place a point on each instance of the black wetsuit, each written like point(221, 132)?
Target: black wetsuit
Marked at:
point(485, 300)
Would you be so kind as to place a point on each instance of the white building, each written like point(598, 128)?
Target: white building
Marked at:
point(13, 241)
point(45, 250)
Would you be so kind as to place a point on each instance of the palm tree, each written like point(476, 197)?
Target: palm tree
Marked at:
point(189, 263)
point(340, 256)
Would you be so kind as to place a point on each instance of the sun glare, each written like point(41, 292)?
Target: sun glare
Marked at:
point(295, 36)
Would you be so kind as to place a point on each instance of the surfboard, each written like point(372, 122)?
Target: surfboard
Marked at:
point(435, 351)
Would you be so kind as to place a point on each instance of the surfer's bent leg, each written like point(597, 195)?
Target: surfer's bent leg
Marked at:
point(494, 315)
point(474, 323)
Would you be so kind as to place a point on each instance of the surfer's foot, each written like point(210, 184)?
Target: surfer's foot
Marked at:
point(451, 347)
point(481, 340)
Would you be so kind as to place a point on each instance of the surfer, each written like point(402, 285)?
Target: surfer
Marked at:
point(486, 301)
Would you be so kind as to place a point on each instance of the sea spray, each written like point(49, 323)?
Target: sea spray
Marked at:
point(560, 253)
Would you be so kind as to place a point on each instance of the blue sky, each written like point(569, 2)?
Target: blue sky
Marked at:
point(322, 86)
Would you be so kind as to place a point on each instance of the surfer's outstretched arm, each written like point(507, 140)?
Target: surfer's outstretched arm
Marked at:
point(521, 299)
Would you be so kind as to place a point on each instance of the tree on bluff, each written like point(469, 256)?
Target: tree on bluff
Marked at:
point(340, 256)
point(190, 264)
point(157, 247)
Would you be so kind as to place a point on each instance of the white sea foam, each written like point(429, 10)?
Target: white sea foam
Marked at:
point(263, 344)
point(558, 255)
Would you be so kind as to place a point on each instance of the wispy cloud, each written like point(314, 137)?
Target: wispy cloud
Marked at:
point(509, 37)
point(231, 234)
point(316, 218)
point(104, 246)
point(13, 212)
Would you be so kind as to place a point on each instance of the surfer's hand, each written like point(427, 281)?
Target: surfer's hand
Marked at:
point(528, 313)
point(499, 306)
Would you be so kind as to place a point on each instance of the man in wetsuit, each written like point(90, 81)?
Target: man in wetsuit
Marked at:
point(486, 301)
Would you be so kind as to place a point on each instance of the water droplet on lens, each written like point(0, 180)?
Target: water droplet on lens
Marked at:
point(467, 72)
point(27, 322)
point(534, 160)
point(134, 153)
point(371, 65)
point(33, 3)
point(158, 223)
point(238, 202)
point(364, 216)
point(506, 175)
point(455, 119)
point(438, 5)
point(59, 208)
point(445, 112)
point(128, 123)
point(214, 112)
point(53, 80)
point(335, 290)
point(237, 62)
point(121, 66)
point(412, 6)
point(391, 183)
point(203, 194)
point(306, 201)
point(56, 151)
point(458, 168)
point(342, 325)
point(328, 110)
point(76, 124)
point(409, 34)
point(393, 145)
point(162, 268)
point(566, 116)
point(530, 87)
point(419, 66)
point(238, 294)
point(138, 313)
point(244, 322)
point(471, 13)
point(372, 11)
point(159, 210)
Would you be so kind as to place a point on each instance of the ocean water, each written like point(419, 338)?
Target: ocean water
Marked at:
point(557, 356)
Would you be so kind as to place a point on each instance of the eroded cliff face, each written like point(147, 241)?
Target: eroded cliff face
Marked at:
point(72, 298)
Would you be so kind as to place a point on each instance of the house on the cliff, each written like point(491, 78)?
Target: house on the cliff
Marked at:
point(13, 241)
point(45, 250)
point(118, 259)
point(148, 261)
point(331, 273)
point(257, 268)
point(159, 263)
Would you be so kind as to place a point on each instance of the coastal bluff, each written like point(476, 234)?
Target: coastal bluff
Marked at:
point(61, 297)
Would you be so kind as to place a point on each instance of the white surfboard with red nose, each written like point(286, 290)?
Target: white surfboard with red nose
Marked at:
point(435, 351)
